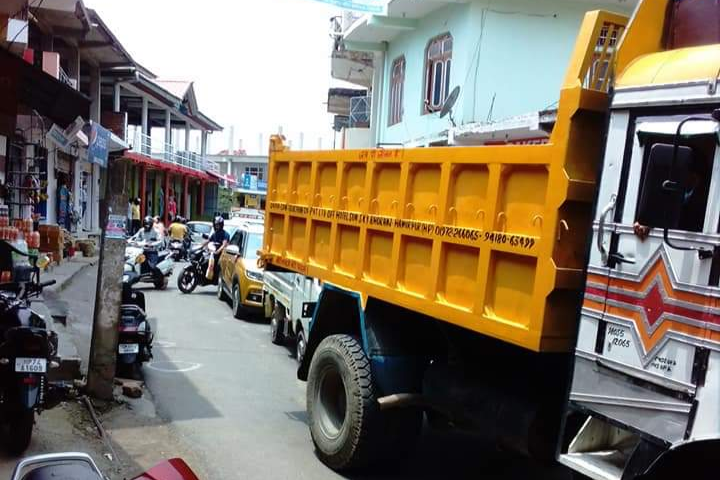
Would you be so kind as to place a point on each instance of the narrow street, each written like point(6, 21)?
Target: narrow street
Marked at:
point(233, 397)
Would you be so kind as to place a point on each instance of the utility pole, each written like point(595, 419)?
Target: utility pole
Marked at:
point(108, 294)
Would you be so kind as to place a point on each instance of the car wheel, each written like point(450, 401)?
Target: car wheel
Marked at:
point(236, 303)
point(221, 295)
point(300, 345)
point(276, 325)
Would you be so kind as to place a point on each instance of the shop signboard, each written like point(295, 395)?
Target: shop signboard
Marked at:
point(98, 147)
point(57, 137)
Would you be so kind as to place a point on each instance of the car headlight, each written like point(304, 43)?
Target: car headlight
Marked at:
point(254, 275)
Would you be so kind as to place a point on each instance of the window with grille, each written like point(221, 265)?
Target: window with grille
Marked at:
point(397, 84)
point(438, 59)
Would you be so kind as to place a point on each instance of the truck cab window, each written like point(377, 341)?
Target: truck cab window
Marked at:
point(695, 186)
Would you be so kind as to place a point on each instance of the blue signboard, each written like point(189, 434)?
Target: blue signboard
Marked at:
point(369, 6)
point(98, 146)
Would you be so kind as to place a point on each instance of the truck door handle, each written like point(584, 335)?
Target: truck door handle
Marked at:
point(615, 258)
point(601, 228)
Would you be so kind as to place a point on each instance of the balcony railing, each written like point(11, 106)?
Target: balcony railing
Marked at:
point(166, 152)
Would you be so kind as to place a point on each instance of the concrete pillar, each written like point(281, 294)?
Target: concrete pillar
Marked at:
point(204, 143)
point(143, 194)
point(166, 190)
point(52, 188)
point(168, 126)
point(94, 94)
point(376, 98)
point(187, 137)
point(144, 118)
point(229, 166)
point(108, 294)
point(94, 203)
point(116, 97)
point(184, 202)
point(201, 200)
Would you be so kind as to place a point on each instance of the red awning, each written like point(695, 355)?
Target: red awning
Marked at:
point(168, 167)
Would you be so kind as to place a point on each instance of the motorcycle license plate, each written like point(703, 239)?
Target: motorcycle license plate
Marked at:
point(124, 348)
point(30, 365)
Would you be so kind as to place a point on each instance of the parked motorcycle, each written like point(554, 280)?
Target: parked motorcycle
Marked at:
point(135, 334)
point(27, 350)
point(193, 275)
point(81, 466)
point(153, 263)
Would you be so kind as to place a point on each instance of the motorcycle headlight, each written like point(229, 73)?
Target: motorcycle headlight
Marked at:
point(254, 275)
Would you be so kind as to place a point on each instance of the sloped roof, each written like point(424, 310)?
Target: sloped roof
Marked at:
point(177, 87)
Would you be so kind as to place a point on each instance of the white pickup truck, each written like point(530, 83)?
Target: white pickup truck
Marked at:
point(290, 300)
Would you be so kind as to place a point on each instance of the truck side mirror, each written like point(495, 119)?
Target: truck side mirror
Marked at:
point(664, 186)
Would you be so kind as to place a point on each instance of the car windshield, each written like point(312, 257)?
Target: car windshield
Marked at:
point(252, 245)
point(200, 228)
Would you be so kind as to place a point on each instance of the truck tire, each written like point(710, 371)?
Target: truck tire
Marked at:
point(344, 416)
point(300, 345)
point(277, 336)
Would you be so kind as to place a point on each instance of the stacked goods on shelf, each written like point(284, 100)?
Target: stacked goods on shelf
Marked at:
point(52, 241)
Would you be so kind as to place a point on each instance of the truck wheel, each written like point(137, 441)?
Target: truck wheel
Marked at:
point(276, 325)
point(344, 416)
point(20, 431)
point(300, 345)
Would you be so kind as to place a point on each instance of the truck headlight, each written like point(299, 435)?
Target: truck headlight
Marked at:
point(254, 275)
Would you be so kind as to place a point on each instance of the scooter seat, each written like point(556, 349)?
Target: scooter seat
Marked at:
point(131, 310)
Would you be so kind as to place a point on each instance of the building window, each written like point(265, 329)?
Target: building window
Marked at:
point(259, 172)
point(438, 59)
point(397, 83)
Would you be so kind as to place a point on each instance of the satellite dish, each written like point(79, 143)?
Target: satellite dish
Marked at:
point(449, 104)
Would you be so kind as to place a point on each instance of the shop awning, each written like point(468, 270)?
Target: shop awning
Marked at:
point(169, 167)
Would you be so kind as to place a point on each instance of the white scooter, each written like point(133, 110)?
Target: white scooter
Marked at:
point(139, 259)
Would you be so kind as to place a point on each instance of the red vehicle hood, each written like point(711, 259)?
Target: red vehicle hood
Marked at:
point(173, 469)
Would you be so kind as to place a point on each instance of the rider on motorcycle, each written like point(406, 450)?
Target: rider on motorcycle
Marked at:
point(148, 235)
point(220, 238)
point(178, 230)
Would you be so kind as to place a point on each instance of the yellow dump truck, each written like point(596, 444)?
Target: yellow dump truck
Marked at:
point(483, 288)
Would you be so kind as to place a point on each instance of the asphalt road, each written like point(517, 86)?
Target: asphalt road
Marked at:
point(233, 396)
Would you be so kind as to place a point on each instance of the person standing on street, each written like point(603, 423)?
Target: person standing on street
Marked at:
point(172, 208)
point(83, 201)
point(136, 216)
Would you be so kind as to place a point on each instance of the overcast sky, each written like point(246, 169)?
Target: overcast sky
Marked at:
point(256, 64)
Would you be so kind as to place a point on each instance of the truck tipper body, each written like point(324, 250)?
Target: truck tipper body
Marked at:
point(561, 297)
